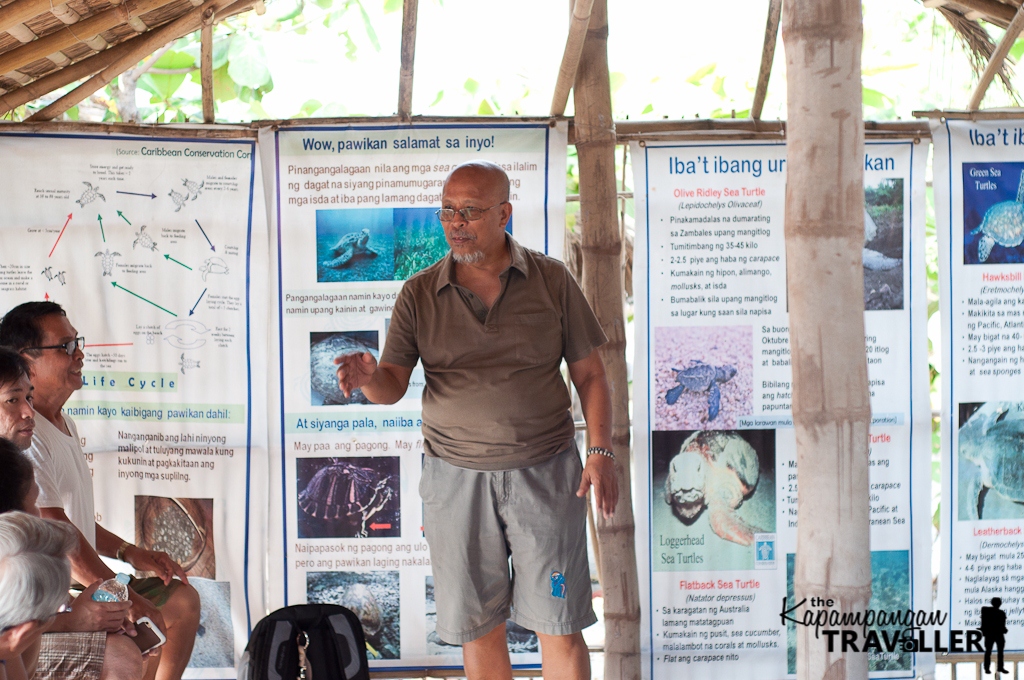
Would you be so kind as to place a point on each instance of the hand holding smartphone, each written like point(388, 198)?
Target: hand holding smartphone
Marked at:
point(147, 636)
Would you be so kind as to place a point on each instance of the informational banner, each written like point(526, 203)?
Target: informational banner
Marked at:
point(716, 492)
point(354, 213)
point(148, 244)
point(979, 209)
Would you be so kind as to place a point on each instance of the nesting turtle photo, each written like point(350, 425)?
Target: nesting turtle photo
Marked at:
point(356, 497)
point(711, 491)
point(373, 596)
point(883, 245)
point(324, 348)
point(180, 527)
point(993, 201)
point(520, 640)
point(355, 245)
point(702, 377)
point(990, 461)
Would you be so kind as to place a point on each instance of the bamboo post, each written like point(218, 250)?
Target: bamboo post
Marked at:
point(571, 56)
point(206, 70)
point(824, 228)
point(409, 18)
point(150, 41)
point(603, 286)
point(995, 62)
point(771, 34)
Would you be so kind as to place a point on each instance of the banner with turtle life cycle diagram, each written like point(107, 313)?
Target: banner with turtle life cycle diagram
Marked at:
point(979, 208)
point(716, 483)
point(353, 215)
point(149, 244)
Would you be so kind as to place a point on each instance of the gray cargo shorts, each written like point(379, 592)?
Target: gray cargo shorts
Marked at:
point(507, 544)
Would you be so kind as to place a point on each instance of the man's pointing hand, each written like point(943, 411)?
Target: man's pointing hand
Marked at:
point(354, 371)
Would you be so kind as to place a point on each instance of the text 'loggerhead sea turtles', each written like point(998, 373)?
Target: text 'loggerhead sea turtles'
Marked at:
point(350, 248)
point(1002, 225)
point(991, 443)
point(716, 470)
point(701, 377)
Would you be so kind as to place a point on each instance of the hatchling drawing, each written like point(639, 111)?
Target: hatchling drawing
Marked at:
point(350, 248)
point(213, 265)
point(178, 199)
point(701, 377)
point(107, 261)
point(187, 364)
point(717, 471)
point(192, 188)
point(991, 449)
point(90, 194)
point(60, 277)
point(1002, 225)
point(143, 239)
point(48, 273)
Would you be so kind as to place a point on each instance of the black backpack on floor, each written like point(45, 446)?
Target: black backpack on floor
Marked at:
point(336, 648)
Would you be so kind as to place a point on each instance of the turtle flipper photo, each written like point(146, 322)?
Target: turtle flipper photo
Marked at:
point(714, 400)
point(672, 396)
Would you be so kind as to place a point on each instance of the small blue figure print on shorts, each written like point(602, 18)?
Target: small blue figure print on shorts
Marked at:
point(557, 584)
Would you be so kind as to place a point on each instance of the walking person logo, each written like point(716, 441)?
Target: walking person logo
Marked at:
point(557, 584)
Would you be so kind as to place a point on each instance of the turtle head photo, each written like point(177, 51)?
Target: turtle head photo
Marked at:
point(993, 213)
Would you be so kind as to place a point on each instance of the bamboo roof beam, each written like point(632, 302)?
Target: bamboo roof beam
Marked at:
point(578, 23)
point(148, 43)
point(80, 32)
point(995, 63)
point(206, 70)
point(410, 11)
point(771, 35)
point(992, 9)
point(65, 76)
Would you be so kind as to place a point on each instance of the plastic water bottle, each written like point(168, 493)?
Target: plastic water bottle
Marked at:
point(113, 589)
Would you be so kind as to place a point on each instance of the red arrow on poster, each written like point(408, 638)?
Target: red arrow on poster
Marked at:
point(376, 527)
point(59, 235)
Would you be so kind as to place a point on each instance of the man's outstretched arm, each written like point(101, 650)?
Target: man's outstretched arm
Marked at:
point(383, 383)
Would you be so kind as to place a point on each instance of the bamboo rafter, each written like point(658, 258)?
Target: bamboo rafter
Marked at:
point(571, 56)
point(771, 35)
point(995, 63)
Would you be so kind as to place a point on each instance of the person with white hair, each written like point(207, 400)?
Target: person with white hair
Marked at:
point(34, 577)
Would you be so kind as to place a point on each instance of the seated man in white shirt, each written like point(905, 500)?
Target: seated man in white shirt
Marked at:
point(43, 335)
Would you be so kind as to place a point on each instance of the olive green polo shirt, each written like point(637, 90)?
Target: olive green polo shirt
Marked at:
point(494, 397)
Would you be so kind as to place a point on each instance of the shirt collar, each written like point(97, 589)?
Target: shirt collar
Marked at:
point(444, 277)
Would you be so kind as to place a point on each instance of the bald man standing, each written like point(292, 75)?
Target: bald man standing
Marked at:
point(503, 485)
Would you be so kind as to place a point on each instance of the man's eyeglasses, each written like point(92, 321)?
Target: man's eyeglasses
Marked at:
point(470, 214)
point(70, 346)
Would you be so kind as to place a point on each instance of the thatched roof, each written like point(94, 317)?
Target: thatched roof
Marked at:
point(46, 45)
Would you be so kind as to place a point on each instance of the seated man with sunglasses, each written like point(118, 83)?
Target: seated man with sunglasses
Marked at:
point(43, 335)
point(34, 577)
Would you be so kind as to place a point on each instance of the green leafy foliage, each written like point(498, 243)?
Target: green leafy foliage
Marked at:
point(164, 86)
point(247, 62)
point(701, 73)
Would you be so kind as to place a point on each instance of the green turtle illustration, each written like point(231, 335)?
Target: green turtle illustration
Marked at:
point(351, 247)
point(1002, 225)
point(701, 377)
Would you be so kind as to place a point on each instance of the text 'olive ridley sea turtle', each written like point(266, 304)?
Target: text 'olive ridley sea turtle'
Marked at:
point(701, 377)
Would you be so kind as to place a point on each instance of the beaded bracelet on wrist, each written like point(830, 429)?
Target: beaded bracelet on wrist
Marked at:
point(601, 451)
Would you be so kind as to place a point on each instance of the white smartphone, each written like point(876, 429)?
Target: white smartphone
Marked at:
point(147, 636)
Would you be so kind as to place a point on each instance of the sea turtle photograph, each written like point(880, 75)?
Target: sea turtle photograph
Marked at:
point(883, 245)
point(520, 640)
point(993, 213)
point(355, 245)
point(712, 491)
point(990, 461)
point(348, 497)
point(373, 597)
point(702, 377)
point(324, 348)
